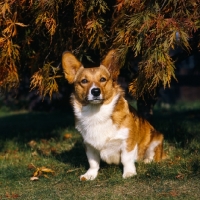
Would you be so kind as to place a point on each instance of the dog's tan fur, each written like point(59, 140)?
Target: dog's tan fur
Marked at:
point(131, 137)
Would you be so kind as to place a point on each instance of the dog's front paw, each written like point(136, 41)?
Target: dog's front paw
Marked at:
point(129, 174)
point(91, 174)
point(129, 171)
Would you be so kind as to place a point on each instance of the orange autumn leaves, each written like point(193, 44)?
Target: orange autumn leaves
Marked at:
point(40, 171)
point(46, 148)
point(49, 147)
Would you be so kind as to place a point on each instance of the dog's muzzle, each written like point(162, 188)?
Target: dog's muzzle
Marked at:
point(95, 96)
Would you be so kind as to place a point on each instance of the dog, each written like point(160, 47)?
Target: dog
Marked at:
point(110, 127)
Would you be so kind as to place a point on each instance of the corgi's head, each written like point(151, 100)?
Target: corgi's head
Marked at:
point(92, 85)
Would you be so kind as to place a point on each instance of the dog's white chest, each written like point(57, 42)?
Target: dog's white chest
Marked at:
point(97, 129)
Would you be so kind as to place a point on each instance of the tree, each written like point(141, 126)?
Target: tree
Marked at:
point(35, 33)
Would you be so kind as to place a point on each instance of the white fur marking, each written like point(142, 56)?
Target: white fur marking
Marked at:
point(95, 124)
point(94, 160)
point(111, 150)
point(150, 152)
point(128, 160)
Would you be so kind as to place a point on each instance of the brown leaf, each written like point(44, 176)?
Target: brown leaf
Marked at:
point(44, 141)
point(173, 193)
point(34, 178)
point(54, 150)
point(21, 24)
point(72, 170)
point(32, 143)
point(180, 176)
point(34, 153)
point(47, 170)
point(37, 172)
point(67, 136)
point(177, 158)
point(40, 171)
point(31, 166)
point(90, 24)
point(120, 4)
point(12, 195)
point(7, 195)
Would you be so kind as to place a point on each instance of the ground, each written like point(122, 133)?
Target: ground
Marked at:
point(32, 140)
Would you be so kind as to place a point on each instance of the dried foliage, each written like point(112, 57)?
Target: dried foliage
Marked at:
point(9, 55)
point(151, 29)
point(40, 171)
point(33, 35)
point(45, 80)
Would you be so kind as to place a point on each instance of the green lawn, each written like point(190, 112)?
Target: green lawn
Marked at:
point(49, 140)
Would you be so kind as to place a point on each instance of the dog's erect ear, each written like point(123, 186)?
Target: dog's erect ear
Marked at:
point(111, 63)
point(70, 66)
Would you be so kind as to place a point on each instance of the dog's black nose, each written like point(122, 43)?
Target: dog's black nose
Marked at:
point(96, 92)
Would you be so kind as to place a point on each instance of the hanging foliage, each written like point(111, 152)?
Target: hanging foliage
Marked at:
point(151, 29)
point(33, 35)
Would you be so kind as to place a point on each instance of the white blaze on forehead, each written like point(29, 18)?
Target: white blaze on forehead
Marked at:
point(90, 95)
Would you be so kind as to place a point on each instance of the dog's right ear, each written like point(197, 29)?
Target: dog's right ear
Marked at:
point(70, 66)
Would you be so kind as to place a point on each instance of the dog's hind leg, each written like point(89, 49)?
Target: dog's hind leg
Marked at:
point(159, 153)
point(155, 149)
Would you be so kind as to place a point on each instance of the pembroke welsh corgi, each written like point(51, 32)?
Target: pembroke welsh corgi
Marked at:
point(111, 129)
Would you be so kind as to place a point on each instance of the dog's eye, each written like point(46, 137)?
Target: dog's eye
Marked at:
point(102, 79)
point(84, 81)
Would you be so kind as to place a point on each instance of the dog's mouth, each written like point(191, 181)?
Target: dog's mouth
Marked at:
point(95, 100)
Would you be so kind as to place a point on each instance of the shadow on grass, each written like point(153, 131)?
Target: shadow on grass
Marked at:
point(178, 126)
point(175, 125)
point(23, 127)
point(76, 156)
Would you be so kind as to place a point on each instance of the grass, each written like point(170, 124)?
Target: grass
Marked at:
point(49, 140)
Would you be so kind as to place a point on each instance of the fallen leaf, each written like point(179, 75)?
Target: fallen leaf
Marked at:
point(177, 158)
point(40, 171)
point(45, 176)
point(44, 151)
point(47, 170)
point(67, 136)
point(173, 193)
point(31, 166)
point(34, 153)
point(44, 141)
point(37, 173)
point(12, 195)
point(180, 176)
point(54, 151)
point(72, 170)
point(32, 143)
point(34, 178)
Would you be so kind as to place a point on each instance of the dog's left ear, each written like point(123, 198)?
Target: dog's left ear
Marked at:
point(70, 66)
point(111, 63)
